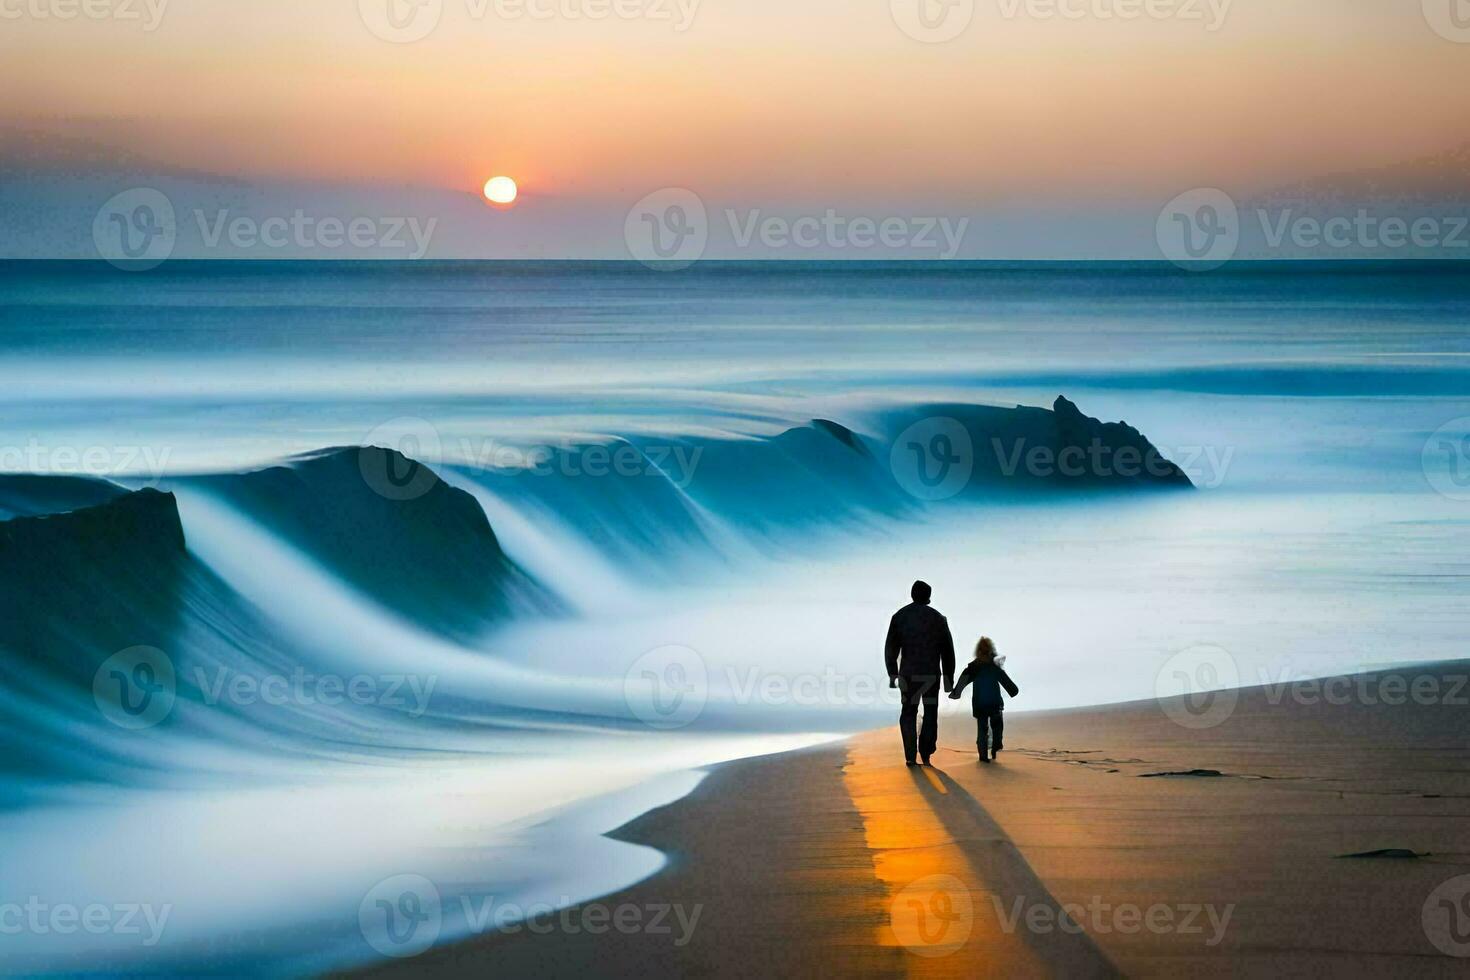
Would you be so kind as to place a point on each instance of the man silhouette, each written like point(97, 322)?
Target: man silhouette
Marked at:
point(919, 652)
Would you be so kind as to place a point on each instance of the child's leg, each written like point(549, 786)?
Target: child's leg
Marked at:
point(980, 733)
point(998, 730)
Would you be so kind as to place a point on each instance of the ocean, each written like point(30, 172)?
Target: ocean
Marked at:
point(645, 556)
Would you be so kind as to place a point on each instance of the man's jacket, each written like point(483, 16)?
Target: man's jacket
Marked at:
point(919, 644)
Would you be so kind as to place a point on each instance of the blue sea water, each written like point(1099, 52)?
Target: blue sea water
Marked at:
point(1321, 410)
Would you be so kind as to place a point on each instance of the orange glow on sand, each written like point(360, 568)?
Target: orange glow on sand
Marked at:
point(939, 901)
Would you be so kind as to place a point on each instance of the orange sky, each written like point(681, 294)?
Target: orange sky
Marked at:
point(778, 99)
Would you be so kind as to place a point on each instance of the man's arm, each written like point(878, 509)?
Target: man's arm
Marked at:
point(890, 651)
point(946, 658)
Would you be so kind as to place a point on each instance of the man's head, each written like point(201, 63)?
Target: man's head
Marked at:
point(921, 592)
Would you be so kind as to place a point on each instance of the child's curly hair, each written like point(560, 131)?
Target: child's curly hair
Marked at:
point(985, 649)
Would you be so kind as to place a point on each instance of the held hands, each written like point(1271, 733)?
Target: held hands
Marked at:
point(954, 695)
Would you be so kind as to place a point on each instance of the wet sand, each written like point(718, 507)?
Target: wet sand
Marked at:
point(1105, 841)
point(772, 853)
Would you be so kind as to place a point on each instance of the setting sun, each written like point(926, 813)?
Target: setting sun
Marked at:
point(500, 190)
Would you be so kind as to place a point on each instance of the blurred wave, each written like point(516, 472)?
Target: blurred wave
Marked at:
point(364, 560)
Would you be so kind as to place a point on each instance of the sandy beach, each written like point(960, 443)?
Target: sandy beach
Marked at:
point(1307, 829)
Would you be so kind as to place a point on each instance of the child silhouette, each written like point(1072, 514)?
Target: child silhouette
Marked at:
point(986, 673)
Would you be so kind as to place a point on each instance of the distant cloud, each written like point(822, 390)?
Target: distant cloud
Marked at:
point(1434, 178)
point(38, 152)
